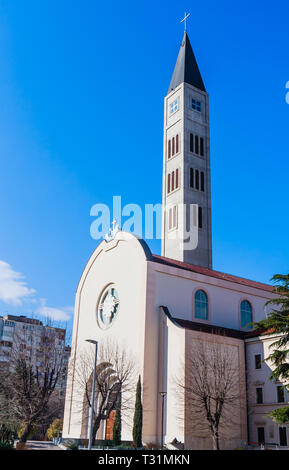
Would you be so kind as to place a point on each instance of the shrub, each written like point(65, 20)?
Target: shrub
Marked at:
point(54, 429)
point(6, 434)
point(72, 446)
point(6, 445)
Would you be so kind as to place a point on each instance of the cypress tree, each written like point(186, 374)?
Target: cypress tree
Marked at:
point(117, 425)
point(137, 419)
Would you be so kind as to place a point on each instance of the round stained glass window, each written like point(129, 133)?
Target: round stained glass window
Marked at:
point(107, 307)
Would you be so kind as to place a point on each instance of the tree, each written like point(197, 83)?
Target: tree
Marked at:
point(211, 390)
point(31, 380)
point(114, 382)
point(277, 323)
point(137, 419)
point(117, 424)
point(280, 415)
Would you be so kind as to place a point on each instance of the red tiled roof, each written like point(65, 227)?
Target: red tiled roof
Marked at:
point(210, 272)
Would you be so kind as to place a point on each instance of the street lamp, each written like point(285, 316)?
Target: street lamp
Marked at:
point(163, 395)
point(92, 394)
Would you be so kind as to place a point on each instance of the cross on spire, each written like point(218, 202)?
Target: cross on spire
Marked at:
point(185, 20)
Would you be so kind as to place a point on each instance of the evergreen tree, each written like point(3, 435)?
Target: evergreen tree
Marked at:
point(137, 420)
point(277, 322)
point(117, 424)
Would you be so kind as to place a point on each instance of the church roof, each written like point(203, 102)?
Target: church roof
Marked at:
point(213, 329)
point(186, 68)
point(210, 272)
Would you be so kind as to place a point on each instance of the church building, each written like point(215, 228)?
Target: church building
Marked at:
point(165, 308)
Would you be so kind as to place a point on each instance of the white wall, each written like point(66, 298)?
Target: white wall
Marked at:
point(175, 289)
point(121, 262)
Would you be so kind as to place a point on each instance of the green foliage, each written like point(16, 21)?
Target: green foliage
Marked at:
point(6, 434)
point(117, 425)
point(6, 445)
point(73, 446)
point(137, 419)
point(277, 322)
point(280, 415)
point(34, 430)
point(54, 428)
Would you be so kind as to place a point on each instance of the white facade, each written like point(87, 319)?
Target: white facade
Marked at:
point(157, 341)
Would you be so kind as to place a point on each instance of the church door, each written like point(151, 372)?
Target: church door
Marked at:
point(109, 426)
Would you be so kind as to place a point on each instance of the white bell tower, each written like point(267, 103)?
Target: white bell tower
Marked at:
point(186, 163)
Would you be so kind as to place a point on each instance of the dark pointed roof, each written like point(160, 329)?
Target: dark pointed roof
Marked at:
point(186, 68)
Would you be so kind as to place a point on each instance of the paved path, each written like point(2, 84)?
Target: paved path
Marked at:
point(41, 445)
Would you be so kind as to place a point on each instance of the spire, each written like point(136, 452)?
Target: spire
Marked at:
point(186, 68)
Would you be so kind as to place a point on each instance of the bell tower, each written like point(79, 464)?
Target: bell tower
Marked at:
point(186, 164)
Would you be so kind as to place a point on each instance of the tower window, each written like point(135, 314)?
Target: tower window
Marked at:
point(202, 181)
point(173, 106)
point(200, 217)
point(197, 179)
point(201, 305)
point(173, 217)
point(173, 146)
point(197, 144)
point(192, 178)
point(201, 146)
point(246, 314)
point(196, 105)
point(191, 142)
point(173, 180)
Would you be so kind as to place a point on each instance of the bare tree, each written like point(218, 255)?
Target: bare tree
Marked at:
point(31, 377)
point(211, 389)
point(115, 380)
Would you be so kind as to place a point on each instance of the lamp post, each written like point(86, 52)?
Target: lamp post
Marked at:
point(92, 394)
point(163, 395)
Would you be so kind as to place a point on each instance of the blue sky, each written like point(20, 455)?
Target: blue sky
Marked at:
point(81, 119)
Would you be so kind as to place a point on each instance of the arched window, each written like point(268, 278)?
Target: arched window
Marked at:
point(173, 146)
point(169, 149)
point(246, 314)
point(201, 305)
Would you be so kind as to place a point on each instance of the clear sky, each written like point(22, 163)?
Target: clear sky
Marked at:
point(81, 119)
